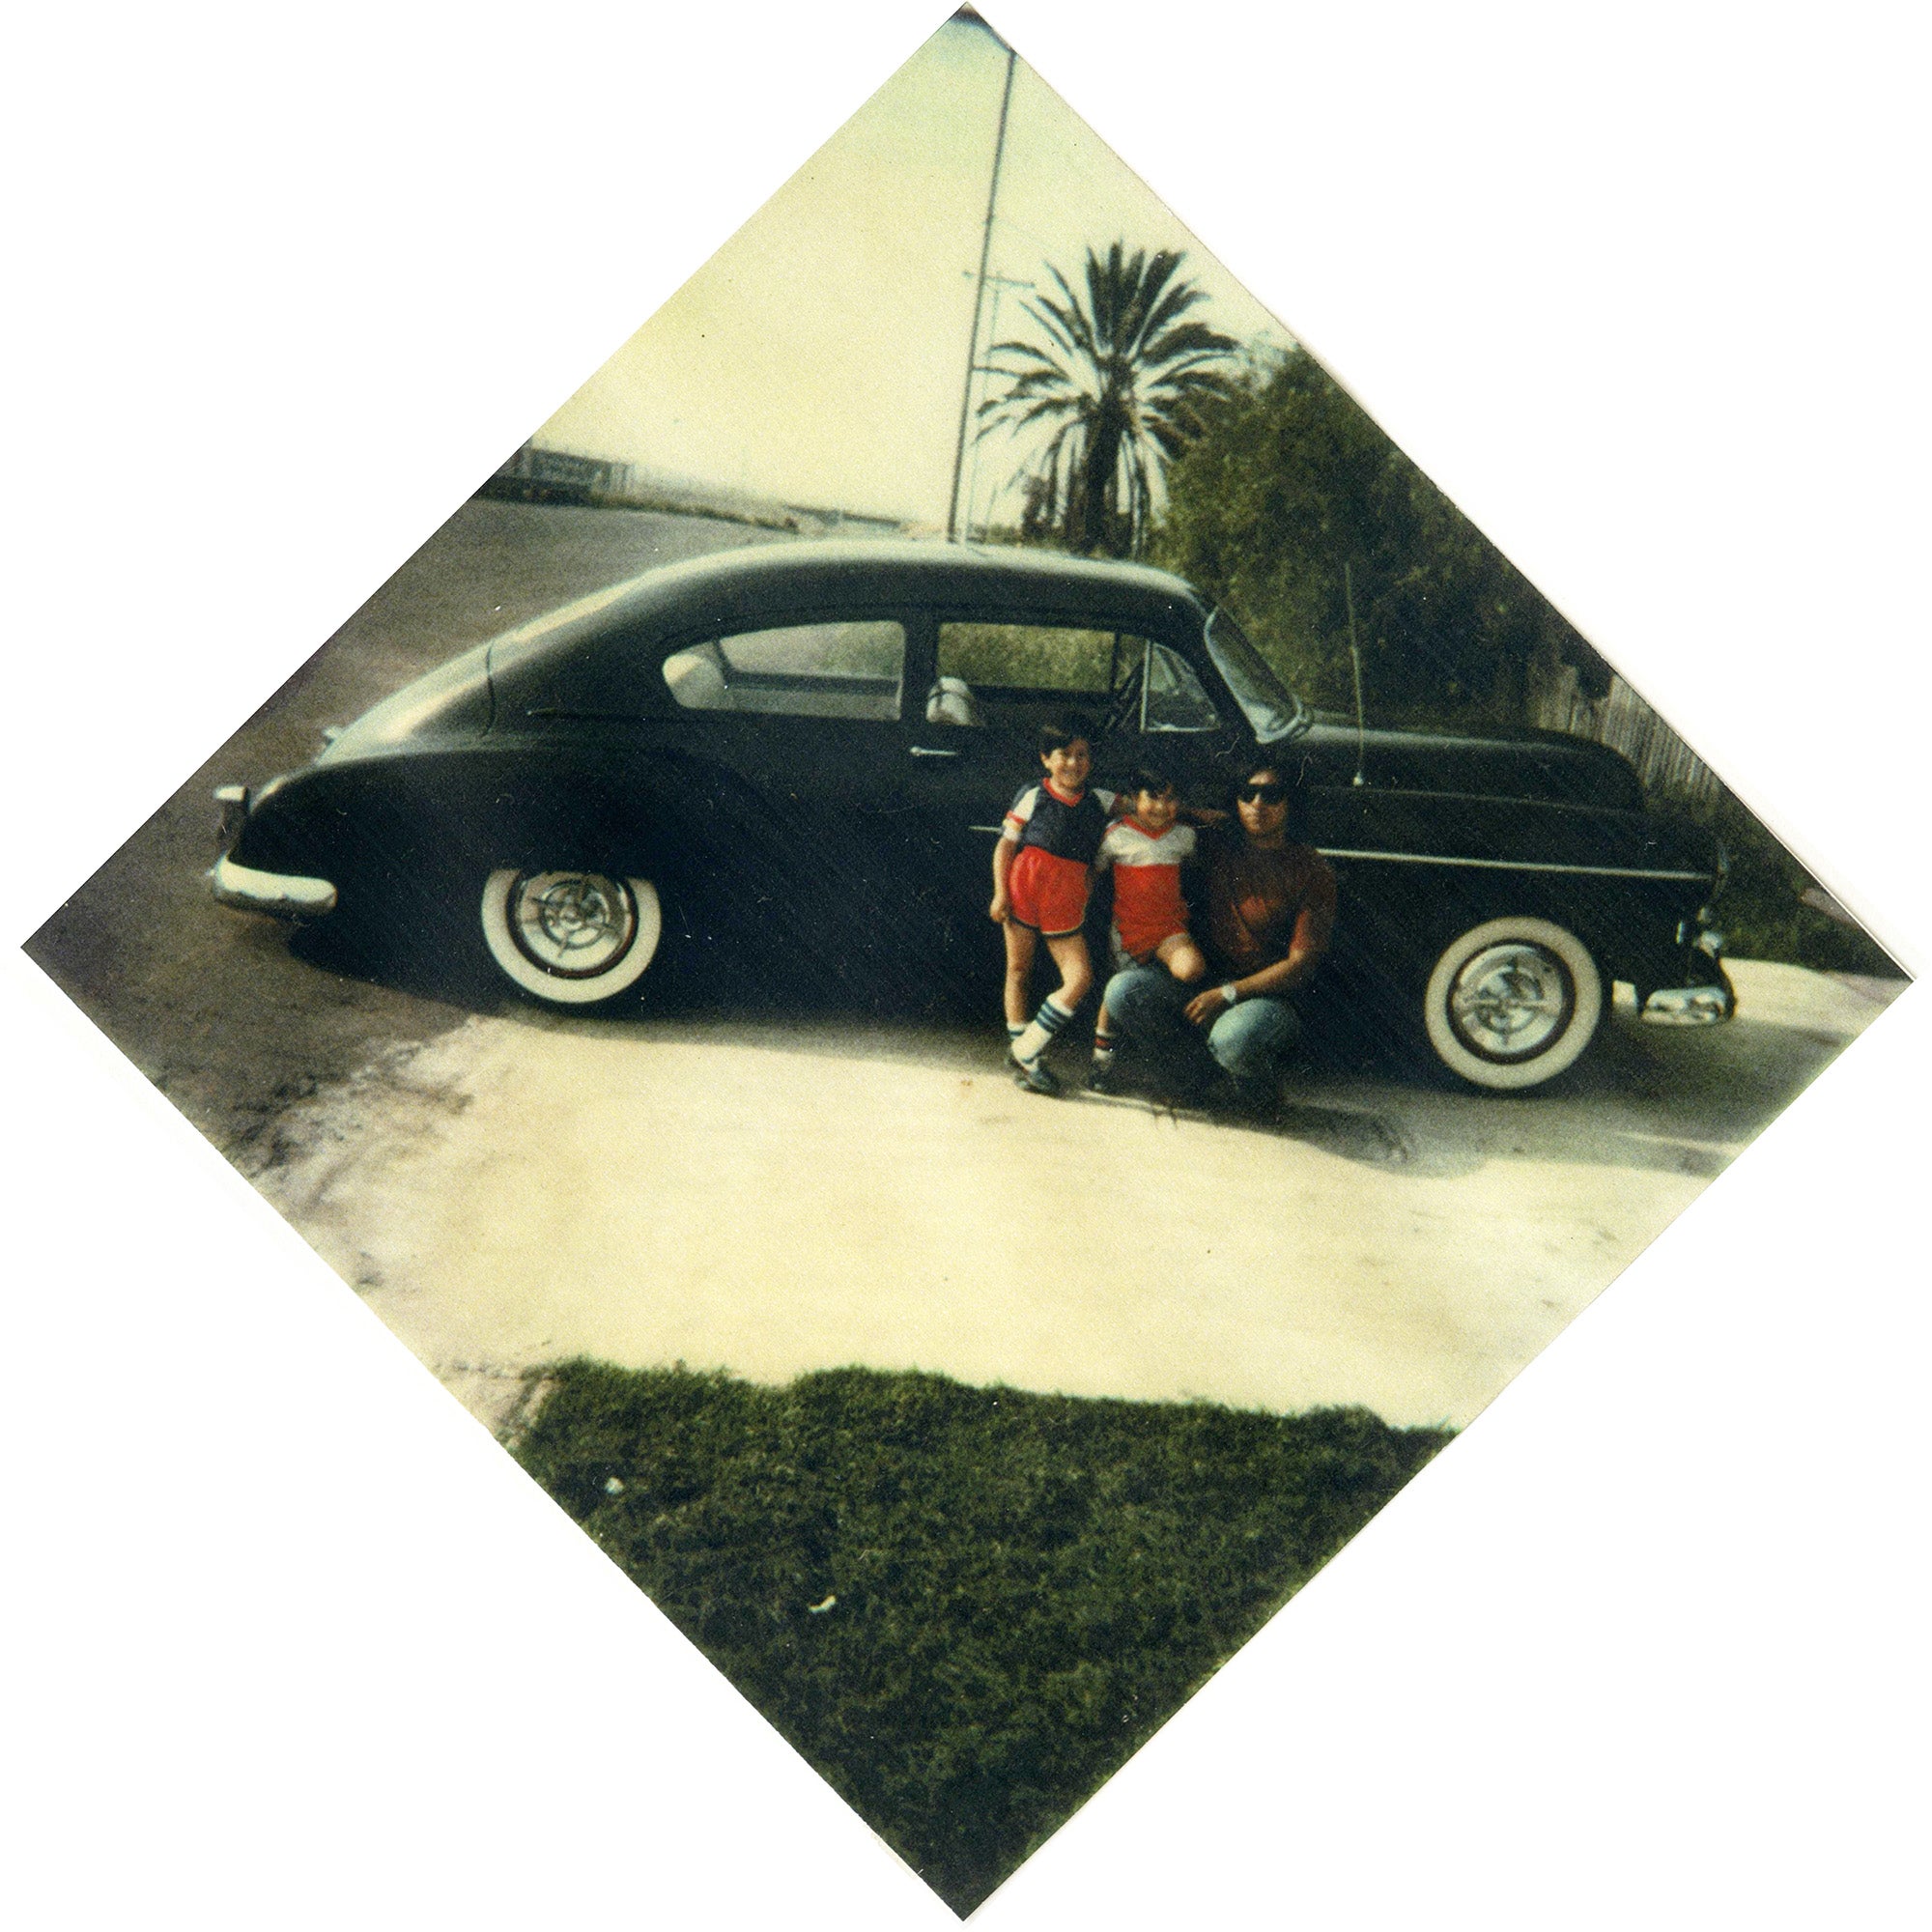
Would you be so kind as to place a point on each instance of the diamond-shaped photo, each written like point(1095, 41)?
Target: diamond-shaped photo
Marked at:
point(967, 962)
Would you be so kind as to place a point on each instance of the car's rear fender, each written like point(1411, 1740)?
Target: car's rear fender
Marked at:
point(424, 814)
point(449, 817)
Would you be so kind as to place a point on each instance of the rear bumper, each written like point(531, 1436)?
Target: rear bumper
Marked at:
point(285, 895)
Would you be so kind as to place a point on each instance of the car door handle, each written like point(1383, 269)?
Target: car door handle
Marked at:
point(932, 751)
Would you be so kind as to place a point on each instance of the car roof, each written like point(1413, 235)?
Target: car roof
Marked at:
point(926, 565)
point(862, 570)
point(761, 583)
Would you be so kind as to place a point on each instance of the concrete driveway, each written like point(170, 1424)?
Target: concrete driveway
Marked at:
point(770, 1198)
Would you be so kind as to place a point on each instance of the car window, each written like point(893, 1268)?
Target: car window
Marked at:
point(1018, 673)
point(852, 670)
point(1172, 700)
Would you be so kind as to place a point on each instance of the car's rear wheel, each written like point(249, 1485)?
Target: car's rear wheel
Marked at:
point(568, 937)
point(1512, 1003)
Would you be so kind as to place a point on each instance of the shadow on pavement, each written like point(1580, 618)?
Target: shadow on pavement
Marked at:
point(1644, 1098)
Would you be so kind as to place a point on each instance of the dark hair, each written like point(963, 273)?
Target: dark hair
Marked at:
point(1059, 732)
point(1148, 778)
point(1287, 773)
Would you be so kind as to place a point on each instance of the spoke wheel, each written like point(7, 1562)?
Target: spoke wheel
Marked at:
point(1512, 1003)
point(570, 937)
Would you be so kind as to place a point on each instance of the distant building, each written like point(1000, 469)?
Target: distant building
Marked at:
point(853, 522)
point(535, 475)
point(538, 475)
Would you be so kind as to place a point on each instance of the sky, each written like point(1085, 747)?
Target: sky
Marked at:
point(819, 357)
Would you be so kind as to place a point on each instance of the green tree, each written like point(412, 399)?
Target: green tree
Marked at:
point(1119, 377)
point(1288, 481)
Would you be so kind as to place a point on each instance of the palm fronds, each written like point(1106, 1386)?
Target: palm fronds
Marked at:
point(1117, 375)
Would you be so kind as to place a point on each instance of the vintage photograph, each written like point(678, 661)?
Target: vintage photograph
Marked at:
point(966, 962)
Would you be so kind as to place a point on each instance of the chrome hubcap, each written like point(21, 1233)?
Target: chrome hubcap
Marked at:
point(573, 925)
point(1510, 1000)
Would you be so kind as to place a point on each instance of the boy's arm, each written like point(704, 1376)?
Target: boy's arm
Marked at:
point(1004, 849)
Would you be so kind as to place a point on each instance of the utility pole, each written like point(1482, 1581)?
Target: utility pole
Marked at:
point(980, 291)
point(999, 284)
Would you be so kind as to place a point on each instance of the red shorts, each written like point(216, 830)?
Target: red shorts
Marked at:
point(1142, 945)
point(1147, 908)
point(1047, 893)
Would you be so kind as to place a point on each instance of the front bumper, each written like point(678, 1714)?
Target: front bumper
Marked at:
point(1706, 996)
point(286, 894)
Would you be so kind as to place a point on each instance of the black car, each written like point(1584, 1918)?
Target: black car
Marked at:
point(810, 747)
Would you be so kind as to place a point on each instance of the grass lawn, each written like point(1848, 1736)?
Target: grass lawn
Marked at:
point(964, 1606)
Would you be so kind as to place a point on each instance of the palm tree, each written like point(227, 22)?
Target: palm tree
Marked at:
point(1119, 377)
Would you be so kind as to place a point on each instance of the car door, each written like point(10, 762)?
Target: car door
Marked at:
point(994, 678)
point(795, 733)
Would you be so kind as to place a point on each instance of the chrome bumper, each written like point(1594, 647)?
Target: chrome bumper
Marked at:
point(286, 894)
point(1691, 1006)
point(1707, 997)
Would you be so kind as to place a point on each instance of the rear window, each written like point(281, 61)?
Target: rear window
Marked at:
point(850, 670)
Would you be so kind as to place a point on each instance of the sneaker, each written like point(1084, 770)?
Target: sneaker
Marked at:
point(1104, 1079)
point(1036, 1079)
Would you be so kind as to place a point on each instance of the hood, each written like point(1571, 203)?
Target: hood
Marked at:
point(1543, 765)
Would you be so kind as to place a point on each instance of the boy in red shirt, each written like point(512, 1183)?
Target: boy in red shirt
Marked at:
point(1146, 851)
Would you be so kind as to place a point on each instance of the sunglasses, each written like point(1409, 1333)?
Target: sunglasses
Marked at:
point(1272, 794)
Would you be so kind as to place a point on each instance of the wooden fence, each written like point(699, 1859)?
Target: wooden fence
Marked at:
point(1667, 766)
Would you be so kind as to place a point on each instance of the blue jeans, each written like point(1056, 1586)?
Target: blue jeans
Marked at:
point(1250, 1042)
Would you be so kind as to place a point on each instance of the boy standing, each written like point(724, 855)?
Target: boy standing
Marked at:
point(1041, 867)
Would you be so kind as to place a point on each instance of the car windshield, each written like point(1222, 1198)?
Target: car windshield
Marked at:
point(1273, 710)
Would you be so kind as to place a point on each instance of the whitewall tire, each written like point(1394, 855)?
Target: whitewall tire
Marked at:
point(571, 938)
point(1512, 1003)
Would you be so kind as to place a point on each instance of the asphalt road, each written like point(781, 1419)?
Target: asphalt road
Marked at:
point(213, 1007)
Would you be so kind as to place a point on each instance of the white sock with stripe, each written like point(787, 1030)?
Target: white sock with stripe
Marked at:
point(1039, 1034)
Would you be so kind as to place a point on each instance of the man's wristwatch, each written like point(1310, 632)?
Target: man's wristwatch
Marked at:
point(1231, 993)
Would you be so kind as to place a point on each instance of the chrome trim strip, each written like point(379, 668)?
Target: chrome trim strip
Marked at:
point(1508, 865)
point(286, 894)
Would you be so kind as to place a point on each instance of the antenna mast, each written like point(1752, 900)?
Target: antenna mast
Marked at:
point(1355, 659)
point(980, 291)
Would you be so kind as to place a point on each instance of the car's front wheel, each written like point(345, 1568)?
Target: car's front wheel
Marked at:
point(1512, 1003)
point(571, 938)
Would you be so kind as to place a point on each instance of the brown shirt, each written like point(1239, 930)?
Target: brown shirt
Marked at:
point(1260, 903)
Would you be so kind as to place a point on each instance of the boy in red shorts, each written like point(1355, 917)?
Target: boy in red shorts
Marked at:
point(1146, 851)
point(1041, 865)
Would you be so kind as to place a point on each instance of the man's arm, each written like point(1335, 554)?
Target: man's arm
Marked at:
point(1313, 926)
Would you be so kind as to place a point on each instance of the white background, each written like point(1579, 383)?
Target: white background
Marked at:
point(296, 1645)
